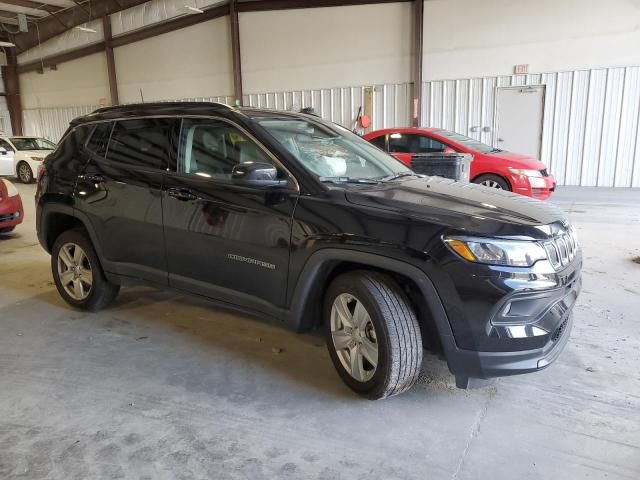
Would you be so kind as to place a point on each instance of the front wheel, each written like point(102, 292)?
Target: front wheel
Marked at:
point(492, 181)
point(25, 174)
point(77, 272)
point(372, 334)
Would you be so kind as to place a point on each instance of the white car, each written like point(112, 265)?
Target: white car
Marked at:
point(21, 156)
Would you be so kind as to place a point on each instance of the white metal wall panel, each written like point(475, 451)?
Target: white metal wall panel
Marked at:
point(51, 123)
point(391, 103)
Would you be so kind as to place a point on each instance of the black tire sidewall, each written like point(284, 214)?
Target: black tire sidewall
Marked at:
point(98, 282)
point(354, 284)
point(496, 178)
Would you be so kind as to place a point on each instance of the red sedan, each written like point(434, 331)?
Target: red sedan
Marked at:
point(490, 166)
point(11, 211)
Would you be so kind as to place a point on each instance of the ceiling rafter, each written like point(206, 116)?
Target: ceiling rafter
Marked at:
point(31, 4)
point(68, 18)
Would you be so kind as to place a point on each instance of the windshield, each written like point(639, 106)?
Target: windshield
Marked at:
point(33, 143)
point(333, 153)
point(467, 142)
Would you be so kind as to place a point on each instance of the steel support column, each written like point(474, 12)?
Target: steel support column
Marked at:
point(235, 51)
point(12, 91)
point(111, 63)
point(418, 50)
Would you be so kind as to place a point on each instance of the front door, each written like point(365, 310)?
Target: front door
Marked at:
point(121, 193)
point(225, 240)
point(6, 159)
point(519, 119)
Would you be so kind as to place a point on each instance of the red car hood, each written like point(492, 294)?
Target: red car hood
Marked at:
point(518, 160)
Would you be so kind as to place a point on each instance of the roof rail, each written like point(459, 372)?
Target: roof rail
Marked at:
point(126, 106)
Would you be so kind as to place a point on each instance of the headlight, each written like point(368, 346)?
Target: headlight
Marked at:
point(12, 191)
point(511, 253)
point(37, 159)
point(525, 172)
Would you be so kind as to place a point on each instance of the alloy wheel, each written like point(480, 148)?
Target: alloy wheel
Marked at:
point(74, 271)
point(354, 337)
point(491, 184)
point(24, 173)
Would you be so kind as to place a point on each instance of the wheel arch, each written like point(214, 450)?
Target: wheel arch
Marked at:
point(499, 175)
point(326, 264)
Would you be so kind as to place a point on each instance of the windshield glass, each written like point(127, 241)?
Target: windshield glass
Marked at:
point(467, 142)
point(332, 153)
point(33, 143)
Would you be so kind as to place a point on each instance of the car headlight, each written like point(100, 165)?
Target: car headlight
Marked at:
point(12, 191)
point(511, 253)
point(526, 172)
point(37, 159)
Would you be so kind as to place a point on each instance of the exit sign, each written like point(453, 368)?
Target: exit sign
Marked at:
point(522, 69)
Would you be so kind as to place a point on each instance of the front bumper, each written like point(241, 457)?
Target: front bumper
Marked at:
point(506, 321)
point(536, 187)
point(11, 212)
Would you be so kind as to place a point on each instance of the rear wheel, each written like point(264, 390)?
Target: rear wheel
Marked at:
point(492, 181)
point(25, 174)
point(372, 334)
point(77, 272)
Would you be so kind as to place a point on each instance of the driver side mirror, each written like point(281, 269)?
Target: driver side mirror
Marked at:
point(449, 150)
point(257, 175)
point(3, 151)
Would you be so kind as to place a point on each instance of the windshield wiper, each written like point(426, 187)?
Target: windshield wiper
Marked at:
point(495, 150)
point(368, 181)
point(398, 175)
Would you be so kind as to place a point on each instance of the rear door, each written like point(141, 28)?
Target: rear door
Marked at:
point(6, 158)
point(226, 240)
point(121, 193)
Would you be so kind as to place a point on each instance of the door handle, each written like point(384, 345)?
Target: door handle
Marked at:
point(93, 178)
point(181, 194)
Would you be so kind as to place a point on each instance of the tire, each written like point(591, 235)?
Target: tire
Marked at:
point(7, 229)
point(24, 172)
point(492, 181)
point(395, 334)
point(93, 296)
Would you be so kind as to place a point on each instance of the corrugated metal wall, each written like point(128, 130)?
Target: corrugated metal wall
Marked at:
point(591, 117)
point(51, 123)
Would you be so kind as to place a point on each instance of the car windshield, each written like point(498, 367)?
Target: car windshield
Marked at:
point(32, 143)
point(467, 142)
point(333, 153)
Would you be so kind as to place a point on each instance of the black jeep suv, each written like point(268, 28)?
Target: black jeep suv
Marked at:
point(300, 221)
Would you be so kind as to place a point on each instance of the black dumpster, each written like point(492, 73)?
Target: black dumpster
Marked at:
point(456, 166)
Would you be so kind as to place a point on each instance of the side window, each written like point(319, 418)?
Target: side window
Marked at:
point(211, 148)
point(4, 144)
point(142, 142)
point(414, 143)
point(401, 142)
point(429, 145)
point(99, 138)
point(379, 142)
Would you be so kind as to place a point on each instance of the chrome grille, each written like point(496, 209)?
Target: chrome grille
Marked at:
point(562, 249)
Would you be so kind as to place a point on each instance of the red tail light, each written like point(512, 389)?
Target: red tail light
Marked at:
point(42, 177)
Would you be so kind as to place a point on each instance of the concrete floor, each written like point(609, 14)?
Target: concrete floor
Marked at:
point(164, 386)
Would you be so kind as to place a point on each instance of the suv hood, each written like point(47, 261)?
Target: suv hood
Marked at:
point(467, 207)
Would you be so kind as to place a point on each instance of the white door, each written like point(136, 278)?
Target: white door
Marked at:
point(519, 119)
point(6, 159)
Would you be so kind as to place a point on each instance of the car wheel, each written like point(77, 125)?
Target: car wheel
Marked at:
point(25, 174)
point(77, 272)
point(7, 229)
point(492, 181)
point(372, 334)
